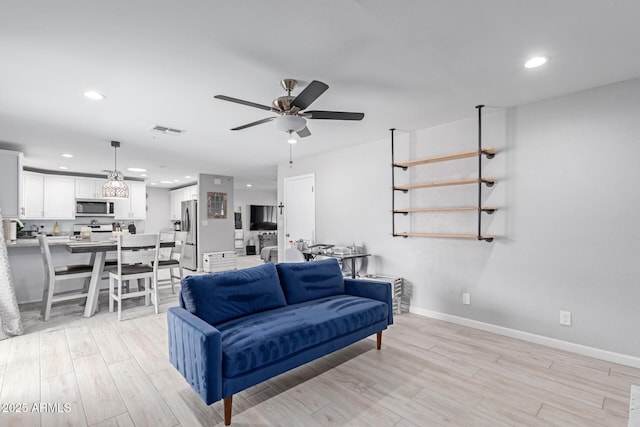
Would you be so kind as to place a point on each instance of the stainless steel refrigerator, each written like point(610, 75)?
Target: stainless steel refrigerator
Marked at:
point(190, 225)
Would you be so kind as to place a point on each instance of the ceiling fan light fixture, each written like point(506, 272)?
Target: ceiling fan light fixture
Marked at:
point(292, 139)
point(115, 188)
point(290, 123)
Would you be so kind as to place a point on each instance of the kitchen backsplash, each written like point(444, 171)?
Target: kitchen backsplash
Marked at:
point(66, 226)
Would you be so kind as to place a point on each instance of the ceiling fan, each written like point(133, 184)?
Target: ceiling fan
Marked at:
point(291, 117)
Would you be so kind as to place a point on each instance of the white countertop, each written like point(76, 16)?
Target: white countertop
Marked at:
point(53, 241)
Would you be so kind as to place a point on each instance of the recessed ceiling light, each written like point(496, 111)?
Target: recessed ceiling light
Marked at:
point(92, 94)
point(63, 167)
point(166, 182)
point(144, 175)
point(136, 169)
point(187, 177)
point(67, 155)
point(176, 180)
point(249, 185)
point(536, 61)
point(153, 183)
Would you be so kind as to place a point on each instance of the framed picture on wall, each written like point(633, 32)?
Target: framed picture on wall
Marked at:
point(216, 205)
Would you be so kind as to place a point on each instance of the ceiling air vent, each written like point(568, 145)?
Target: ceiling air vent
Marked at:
point(167, 130)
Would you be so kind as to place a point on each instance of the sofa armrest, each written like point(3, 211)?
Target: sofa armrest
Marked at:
point(374, 289)
point(195, 350)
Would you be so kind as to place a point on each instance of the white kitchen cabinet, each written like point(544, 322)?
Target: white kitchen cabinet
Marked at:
point(178, 196)
point(33, 195)
point(59, 197)
point(175, 197)
point(89, 188)
point(190, 193)
point(11, 179)
point(135, 207)
point(48, 196)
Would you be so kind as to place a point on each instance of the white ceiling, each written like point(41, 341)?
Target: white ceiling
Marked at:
point(407, 64)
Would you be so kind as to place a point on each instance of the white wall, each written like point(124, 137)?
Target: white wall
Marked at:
point(214, 234)
point(567, 234)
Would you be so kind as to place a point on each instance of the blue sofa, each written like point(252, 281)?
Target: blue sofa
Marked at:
point(236, 329)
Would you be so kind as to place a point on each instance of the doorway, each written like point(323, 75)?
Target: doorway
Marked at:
point(300, 208)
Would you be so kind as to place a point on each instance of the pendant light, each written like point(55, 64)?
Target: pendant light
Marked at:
point(115, 188)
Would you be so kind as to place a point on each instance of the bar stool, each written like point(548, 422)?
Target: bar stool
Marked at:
point(58, 274)
point(173, 261)
point(137, 259)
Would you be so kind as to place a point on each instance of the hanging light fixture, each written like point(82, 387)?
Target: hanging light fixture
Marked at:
point(292, 139)
point(115, 188)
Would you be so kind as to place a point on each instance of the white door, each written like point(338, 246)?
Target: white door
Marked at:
point(299, 208)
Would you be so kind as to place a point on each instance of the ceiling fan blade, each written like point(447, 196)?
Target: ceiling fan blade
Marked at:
point(333, 115)
point(248, 103)
point(259, 122)
point(303, 133)
point(309, 94)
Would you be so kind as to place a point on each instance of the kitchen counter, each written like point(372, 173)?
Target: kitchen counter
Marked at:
point(27, 266)
point(29, 242)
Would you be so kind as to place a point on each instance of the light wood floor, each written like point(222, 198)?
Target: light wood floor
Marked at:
point(428, 373)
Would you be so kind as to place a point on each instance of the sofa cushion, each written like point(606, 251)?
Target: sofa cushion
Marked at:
point(219, 297)
point(263, 338)
point(305, 281)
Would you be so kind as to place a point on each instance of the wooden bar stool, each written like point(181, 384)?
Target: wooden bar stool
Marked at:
point(54, 275)
point(137, 259)
point(173, 261)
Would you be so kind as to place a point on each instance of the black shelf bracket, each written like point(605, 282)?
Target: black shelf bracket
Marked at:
point(393, 185)
point(490, 155)
point(480, 180)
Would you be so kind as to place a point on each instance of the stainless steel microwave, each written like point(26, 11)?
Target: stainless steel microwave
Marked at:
point(87, 207)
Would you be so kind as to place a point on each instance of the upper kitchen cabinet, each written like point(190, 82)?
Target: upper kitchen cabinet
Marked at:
point(178, 196)
point(59, 197)
point(11, 178)
point(89, 188)
point(33, 197)
point(48, 196)
point(135, 207)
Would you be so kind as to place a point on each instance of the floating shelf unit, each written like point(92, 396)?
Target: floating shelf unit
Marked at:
point(489, 153)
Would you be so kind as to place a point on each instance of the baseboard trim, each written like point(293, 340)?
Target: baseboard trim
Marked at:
point(584, 350)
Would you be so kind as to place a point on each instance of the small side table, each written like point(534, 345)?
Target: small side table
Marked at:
point(250, 249)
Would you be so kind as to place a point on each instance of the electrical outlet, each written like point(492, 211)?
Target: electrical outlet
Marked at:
point(565, 318)
point(466, 298)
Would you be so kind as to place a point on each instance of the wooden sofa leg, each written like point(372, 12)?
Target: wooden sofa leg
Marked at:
point(227, 410)
point(379, 340)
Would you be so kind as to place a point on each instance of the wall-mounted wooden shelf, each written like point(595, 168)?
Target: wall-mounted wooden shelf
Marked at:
point(479, 209)
point(488, 181)
point(488, 210)
point(487, 238)
point(489, 152)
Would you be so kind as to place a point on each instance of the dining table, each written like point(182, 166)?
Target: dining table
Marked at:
point(98, 250)
point(311, 253)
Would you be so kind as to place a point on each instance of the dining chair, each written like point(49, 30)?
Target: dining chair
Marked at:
point(137, 258)
point(173, 261)
point(53, 275)
point(293, 255)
